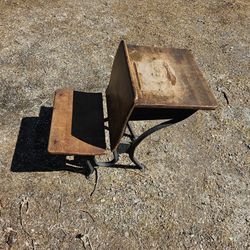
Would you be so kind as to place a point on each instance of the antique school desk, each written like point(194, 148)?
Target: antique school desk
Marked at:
point(146, 83)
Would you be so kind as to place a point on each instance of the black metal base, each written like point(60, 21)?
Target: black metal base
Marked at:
point(136, 140)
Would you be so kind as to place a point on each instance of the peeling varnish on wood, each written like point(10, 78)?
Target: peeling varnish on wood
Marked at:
point(137, 75)
point(156, 77)
point(169, 74)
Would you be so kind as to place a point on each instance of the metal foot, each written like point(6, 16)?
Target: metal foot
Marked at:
point(109, 163)
point(90, 168)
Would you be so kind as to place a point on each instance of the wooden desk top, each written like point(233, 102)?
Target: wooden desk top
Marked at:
point(168, 78)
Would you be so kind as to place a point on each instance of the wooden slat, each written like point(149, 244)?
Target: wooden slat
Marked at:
point(168, 78)
point(120, 96)
point(73, 114)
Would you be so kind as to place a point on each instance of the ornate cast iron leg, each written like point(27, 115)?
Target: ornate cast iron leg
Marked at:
point(137, 140)
point(91, 168)
point(109, 163)
point(132, 133)
point(92, 163)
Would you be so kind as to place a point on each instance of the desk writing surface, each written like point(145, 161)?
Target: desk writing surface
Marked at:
point(168, 78)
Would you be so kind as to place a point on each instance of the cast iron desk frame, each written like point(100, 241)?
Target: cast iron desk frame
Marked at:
point(146, 83)
point(174, 117)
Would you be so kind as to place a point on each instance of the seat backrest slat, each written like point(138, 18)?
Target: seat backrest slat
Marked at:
point(120, 96)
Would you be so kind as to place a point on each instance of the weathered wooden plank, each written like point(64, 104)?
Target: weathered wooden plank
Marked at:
point(120, 96)
point(168, 78)
point(77, 126)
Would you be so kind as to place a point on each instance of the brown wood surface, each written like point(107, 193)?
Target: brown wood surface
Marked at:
point(62, 140)
point(120, 96)
point(168, 78)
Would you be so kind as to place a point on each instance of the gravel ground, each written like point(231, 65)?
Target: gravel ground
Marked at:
point(195, 191)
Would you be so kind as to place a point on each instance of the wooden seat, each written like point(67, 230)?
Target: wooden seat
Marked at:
point(77, 126)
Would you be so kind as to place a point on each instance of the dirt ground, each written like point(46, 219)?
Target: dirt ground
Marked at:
point(195, 192)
